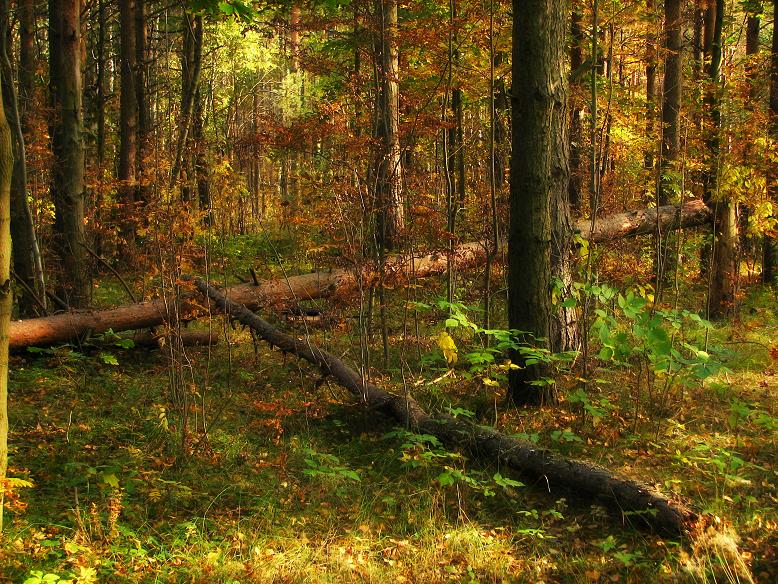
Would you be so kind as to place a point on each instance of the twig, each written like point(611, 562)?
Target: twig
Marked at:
point(30, 291)
point(111, 268)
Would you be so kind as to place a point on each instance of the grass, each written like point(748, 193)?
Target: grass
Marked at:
point(293, 482)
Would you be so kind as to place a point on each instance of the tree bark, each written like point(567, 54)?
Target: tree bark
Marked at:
point(725, 229)
point(553, 472)
point(539, 175)
point(26, 254)
point(576, 123)
point(388, 168)
point(6, 298)
point(651, 93)
point(192, 66)
point(770, 252)
point(339, 283)
point(144, 119)
point(67, 185)
point(671, 101)
point(128, 118)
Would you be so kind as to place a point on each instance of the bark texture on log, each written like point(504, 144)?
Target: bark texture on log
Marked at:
point(638, 503)
point(65, 327)
point(158, 340)
point(645, 221)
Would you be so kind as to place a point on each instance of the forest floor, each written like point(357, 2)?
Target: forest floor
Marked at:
point(293, 482)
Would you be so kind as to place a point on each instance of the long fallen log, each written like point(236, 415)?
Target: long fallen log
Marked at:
point(65, 327)
point(645, 221)
point(638, 503)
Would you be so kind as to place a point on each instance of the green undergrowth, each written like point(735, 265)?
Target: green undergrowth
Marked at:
point(282, 477)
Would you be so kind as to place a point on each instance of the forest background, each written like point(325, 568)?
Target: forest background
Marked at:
point(426, 190)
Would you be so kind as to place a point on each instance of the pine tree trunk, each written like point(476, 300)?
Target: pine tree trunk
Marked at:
point(128, 119)
point(770, 255)
point(725, 232)
point(671, 100)
point(144, 119)
point(67, 185)
point(576, 123)
point(6, 299)
point(388, 174)
point(26, 253)
point(539, 175)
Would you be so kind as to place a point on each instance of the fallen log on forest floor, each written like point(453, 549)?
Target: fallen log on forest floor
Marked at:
point(68, 326)
point(637, 503)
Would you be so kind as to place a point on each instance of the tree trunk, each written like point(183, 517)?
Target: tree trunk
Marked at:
point(554, 473)
point(6, 299)
point(388, 172)
point(671, 101)
point(648, 156)
point(770, 255)
point(67, 185)
point(339, 283)
point(576, 123)
point(141, 99)
point(725, 234)
point(190, 78)
point(26, 254)
point(128, 119)
point(537, 238)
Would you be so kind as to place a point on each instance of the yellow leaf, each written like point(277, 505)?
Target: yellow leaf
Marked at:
point(448, 346)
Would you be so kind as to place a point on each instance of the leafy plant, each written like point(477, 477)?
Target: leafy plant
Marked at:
point(321, 464)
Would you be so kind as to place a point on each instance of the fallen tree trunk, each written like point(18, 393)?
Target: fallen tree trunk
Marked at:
point(637, 502)
point(156, 340)
point(65, 327)
point(645, 221)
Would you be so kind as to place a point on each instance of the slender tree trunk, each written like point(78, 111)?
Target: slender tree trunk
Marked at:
point(6, 298)
point(671, 100)
point(192, 65)
point(128, 119)
point(752, 50)
point(770, 255)
point(388, 175)
point(144, 119)
point(201, 161)
point(539, 175)
point(26, 254)
point(724, 277)
point(576, 123)
point(651, 93)
point(67, 186)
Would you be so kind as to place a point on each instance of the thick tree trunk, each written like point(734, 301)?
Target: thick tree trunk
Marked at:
point(551, 471)
point(388, 172)
point(66, 327)
point(539, 175)
point(67, 185)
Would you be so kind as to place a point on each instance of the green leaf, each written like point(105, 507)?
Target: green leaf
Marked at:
point(108, 359)
point(111, 480)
